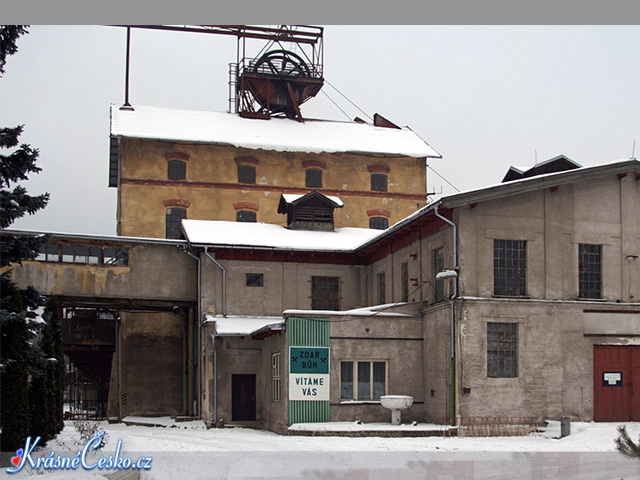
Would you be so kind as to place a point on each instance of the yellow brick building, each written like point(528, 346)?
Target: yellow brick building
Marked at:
point(173, 164)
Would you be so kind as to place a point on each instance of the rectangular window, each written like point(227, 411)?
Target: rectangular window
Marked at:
point(510, 268)
point(246, 174)
point(382, 294)
point(81, 255)
point(254, 280)
point(589, 271)
point(346, 380)
point(94, 257)
point(68, 253)
point(438, 266)
point(313, 178)
point(325, 293)
point(174, 217)
point(107, 256)
point(276, 378)
point(177, 170)
point(404, 274)
point(369, 377)
point(502, 350)
point(378, 182)
point(49, 252)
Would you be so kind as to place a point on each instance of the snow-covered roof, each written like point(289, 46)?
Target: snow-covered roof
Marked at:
point(373, 311)
point(238, 325)
point(264, 235)
point(292, 197)
point(280, 134)
point(514, 187)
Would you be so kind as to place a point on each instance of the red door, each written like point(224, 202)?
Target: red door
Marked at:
point(616, 383)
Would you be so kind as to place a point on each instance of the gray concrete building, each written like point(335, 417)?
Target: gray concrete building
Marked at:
point(515, 300)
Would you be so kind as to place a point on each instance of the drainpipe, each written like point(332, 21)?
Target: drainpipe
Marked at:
point(117, 372)
point(215, 381)
point(224, 281)
point(453, 316)
point(199, 320)
point(213, 336)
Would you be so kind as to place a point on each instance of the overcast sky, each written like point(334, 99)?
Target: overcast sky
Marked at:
point(485, 97)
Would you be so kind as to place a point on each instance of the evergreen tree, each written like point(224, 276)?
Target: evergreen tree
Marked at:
point(14, 368)
point(8, 36)
point(19, 352)
point(625, 445)
point(55, 358)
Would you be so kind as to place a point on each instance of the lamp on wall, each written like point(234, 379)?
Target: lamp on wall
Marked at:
point(446, 275)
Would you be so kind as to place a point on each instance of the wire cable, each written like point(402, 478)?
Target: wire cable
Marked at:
point(347, 99)
point(337, 106)
point(451, 184)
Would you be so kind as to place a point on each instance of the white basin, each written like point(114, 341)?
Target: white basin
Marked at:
point(396, 403)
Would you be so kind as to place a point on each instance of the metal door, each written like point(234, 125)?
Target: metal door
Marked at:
point(616, 383)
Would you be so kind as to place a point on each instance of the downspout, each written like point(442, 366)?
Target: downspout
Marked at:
point(224, 281)
point(117, 372)
point(199, 348)
point(453, 316)
point(215, 381)
point(213, 336)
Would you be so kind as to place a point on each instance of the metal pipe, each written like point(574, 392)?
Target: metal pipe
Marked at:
point(224, 281)
point(199, 347)
point(117, 372)
point(127, 105)
point(215, 381)
point(453, 316)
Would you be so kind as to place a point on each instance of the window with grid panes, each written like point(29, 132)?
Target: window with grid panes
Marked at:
point(313, 178)
point(510, 268)
point(502, 350)
point(325, 293)
point(363, 380)
point(246, 174)
point(589, 271)
point(378, 182)
point(379, 223)
point(173, 217)
point(276, 378)
point(177, 170)
point(404, 274)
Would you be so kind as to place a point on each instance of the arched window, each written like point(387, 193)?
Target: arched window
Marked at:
point(245, 216)
point(177, 170)
point(379, 223)
point(173, 217)
point(313, 178)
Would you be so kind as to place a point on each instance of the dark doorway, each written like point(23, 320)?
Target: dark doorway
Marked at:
point(243, 397)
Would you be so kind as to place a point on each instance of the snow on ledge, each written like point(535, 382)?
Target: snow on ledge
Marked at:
point(237, 325)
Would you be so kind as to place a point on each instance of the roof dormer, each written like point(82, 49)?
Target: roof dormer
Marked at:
point(313, 211)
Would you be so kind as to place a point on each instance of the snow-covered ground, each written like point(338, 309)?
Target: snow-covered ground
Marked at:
point(188, 450)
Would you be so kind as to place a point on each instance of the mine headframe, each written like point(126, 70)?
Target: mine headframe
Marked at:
point(285, 72)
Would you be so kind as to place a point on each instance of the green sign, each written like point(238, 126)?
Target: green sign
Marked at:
point(309, 360)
